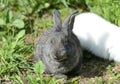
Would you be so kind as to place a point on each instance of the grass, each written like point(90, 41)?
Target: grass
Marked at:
point(21, 24)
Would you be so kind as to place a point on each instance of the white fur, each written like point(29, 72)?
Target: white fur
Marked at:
point(98, 36)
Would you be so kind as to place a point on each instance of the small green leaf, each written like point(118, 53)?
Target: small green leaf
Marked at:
point(10, 16)
point(13, 44)
point(39, 68)
point(20, 34)
point(31, 80)
point(4, 40)
point(2, 22)
point(47, 5)
point(18, 23)
point(64, 3)
point(19, 79)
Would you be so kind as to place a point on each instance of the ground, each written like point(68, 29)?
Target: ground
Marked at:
point(98, 71)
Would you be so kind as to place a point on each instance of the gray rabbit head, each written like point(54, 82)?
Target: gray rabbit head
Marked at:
point(61, 44)
point(59, 48)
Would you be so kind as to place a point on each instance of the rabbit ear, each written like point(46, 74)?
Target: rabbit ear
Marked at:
point(68, 23)
point(57, 20)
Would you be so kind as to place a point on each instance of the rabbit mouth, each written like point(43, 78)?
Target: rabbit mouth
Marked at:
point(59, 59)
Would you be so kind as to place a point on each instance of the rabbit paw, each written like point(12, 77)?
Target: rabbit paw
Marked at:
point(59, 76)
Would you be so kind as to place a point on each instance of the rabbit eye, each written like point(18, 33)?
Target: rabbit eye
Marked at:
point(52, 41)
point(66, 42)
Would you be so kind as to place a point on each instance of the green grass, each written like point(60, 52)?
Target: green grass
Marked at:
point(23, 21)
point(109, 9)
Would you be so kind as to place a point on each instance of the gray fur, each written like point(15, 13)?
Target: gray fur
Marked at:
point(59, 49)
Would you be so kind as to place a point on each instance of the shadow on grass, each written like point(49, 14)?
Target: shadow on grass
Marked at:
point(93, 66)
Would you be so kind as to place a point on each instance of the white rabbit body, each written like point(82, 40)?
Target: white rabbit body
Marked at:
point(98, 36)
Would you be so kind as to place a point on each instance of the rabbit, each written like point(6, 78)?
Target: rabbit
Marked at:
point(59, 49)
point(98, 36)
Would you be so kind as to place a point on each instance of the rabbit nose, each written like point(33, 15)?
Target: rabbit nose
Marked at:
point(61, 55)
